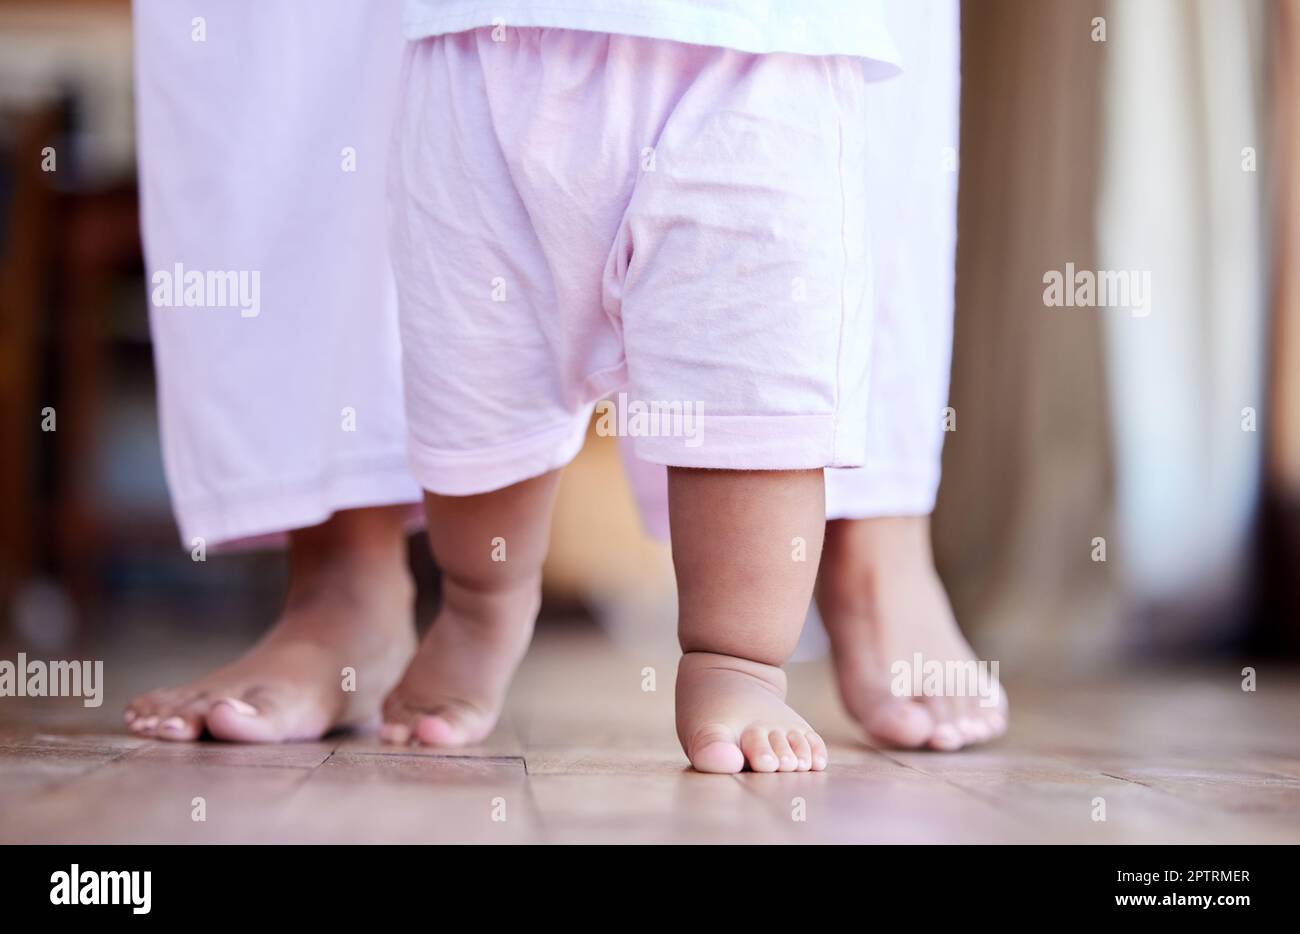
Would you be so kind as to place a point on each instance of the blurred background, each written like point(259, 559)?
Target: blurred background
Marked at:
point(1152, 135)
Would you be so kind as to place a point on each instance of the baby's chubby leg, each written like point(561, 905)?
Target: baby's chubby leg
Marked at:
point(746, 545)
point(490, 549)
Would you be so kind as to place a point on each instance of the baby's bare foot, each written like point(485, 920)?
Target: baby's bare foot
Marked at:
point(731, 713)
point(883, 603)
point(454, 687)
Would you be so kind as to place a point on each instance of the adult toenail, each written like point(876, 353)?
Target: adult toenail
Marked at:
point(148, 723)
point(128, 716)
point(947, 735)
point(394, 733)
point(238, 706)
point(819, 762)
point(767, 761)
point(172, 725)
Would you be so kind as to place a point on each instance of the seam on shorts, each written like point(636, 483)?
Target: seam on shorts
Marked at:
point(827, 63)
point(605, 380)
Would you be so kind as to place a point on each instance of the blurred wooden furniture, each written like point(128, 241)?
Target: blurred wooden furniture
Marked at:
point(100, 247)
point(70, 235)
point(26, 264)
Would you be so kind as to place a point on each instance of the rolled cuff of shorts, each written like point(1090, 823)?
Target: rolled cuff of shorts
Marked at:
point(467, 473)
point(879, 490)
point(759, 442)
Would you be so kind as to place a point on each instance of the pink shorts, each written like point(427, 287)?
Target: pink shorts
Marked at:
point(911, 178)
point(580, 213)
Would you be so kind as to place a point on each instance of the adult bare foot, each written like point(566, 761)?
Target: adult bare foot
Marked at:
point(349, 606)
point(883, 603)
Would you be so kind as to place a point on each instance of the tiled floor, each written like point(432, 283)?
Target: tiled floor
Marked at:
point(586, 755)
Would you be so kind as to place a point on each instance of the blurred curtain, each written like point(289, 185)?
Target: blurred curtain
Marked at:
point(1180, 197)
point(1282, 476)
point(1115, 136)
point(1027, 474)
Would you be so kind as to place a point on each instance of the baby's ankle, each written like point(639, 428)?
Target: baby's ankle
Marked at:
point(696, 662)
point(490, 607)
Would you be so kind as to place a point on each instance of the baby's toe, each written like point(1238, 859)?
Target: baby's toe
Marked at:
point(714, 749)
point(820, 757)
point(442, 723)
point(802, 749)
point(756, 744)
point(786, 758)
point(395, 734)
point(398, 722)
point(451, 726)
